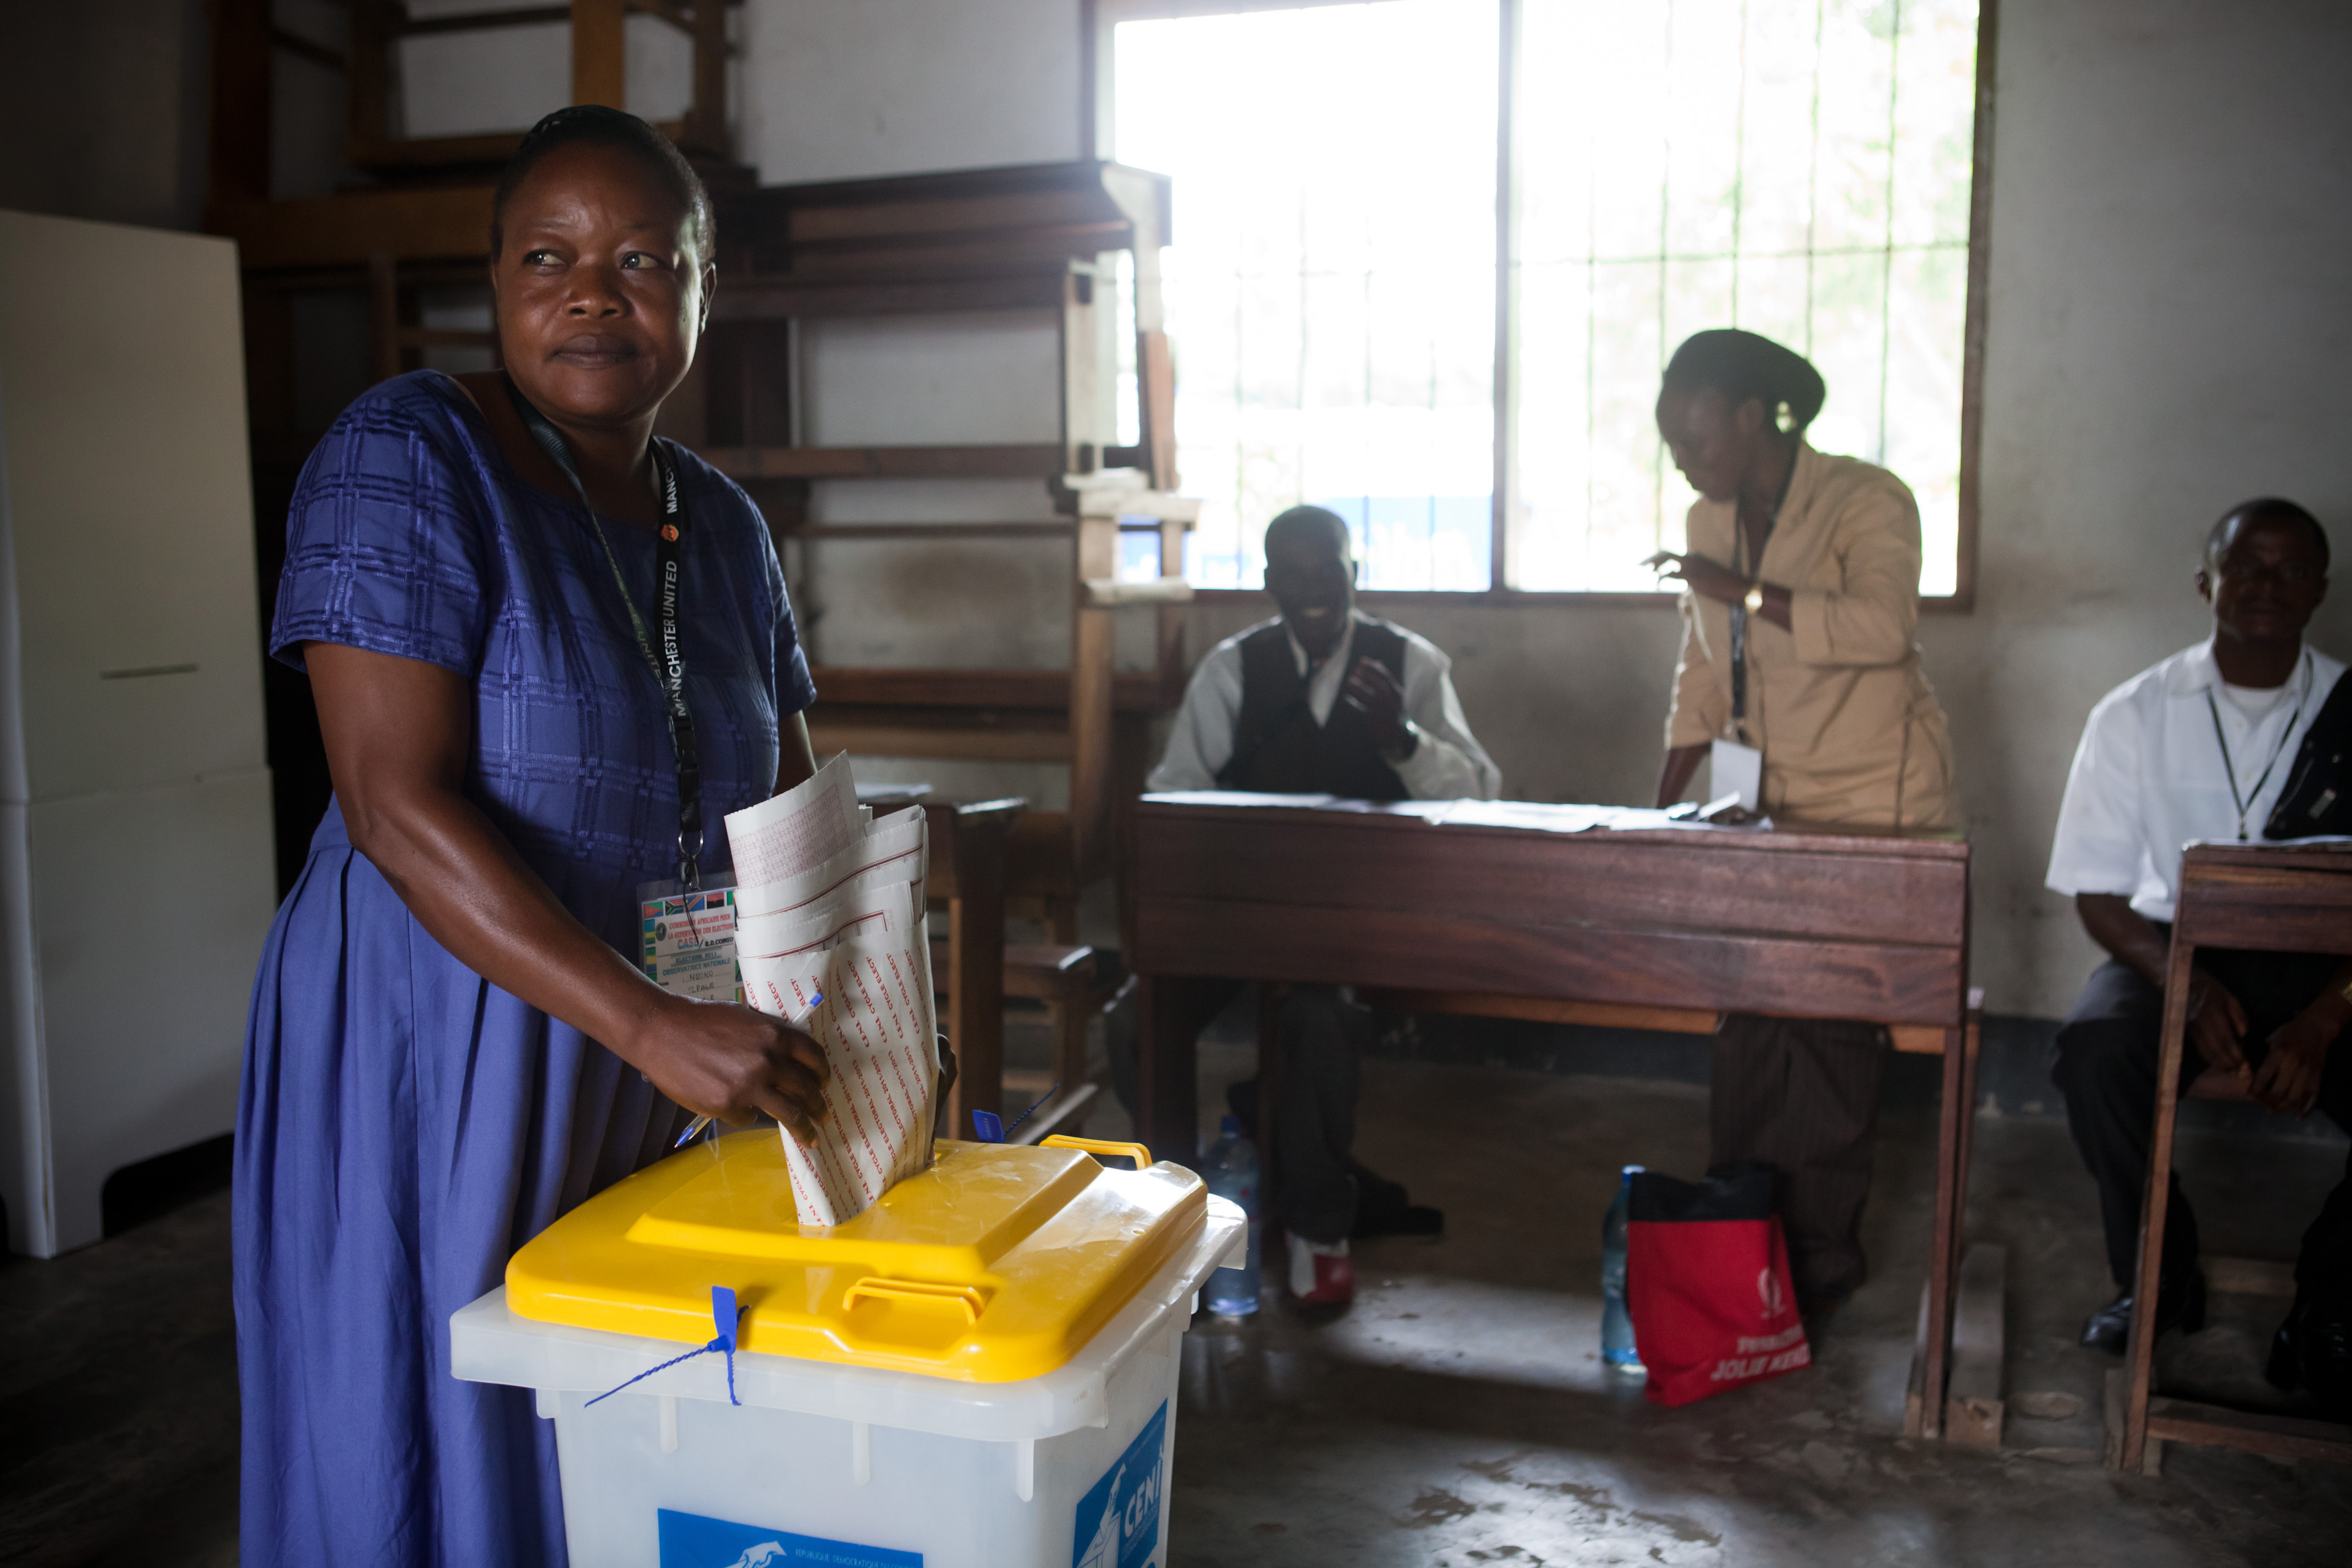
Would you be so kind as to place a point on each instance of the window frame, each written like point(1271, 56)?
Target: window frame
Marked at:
point(1098, 23)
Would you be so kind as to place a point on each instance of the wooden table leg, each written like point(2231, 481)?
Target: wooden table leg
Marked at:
point(1972, 1043)
point(1943, 1255)
point(1169, 1019)
point(2153, 1206)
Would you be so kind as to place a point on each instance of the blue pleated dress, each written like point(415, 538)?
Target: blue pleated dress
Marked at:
point(402, 1125)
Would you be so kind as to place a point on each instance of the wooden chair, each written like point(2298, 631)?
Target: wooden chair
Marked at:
point(2294, 898)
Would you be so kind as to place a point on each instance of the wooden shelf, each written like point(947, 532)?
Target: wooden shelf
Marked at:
point(967, 218)
point(945, 691)
point(1037, 462)
point(765, 299)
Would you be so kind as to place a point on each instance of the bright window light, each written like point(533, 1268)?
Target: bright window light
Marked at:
point(1330, 288)
point(1797, 167)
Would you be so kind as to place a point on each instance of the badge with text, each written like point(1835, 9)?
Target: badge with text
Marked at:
point(689, 944)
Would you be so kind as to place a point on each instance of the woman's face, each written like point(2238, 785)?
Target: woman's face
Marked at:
point(600, 292)
point(1710, 441)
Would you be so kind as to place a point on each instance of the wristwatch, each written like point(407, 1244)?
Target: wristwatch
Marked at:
point(1755, 600)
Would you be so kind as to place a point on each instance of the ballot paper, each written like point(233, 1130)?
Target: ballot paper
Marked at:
point(830, 923)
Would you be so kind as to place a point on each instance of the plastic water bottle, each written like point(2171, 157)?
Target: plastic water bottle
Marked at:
point(1231, 1174)
point(1616, 1323)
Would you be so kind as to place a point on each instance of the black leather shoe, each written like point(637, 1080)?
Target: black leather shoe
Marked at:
point(2314, 1350)
point(2178, 1306)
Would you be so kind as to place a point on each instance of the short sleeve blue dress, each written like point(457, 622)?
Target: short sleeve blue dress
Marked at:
point(402, 1125)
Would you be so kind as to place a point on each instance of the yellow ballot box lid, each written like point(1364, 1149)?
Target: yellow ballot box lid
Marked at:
point(998, 1263)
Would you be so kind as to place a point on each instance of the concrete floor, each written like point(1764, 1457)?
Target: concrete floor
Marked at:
point(1456, 1415)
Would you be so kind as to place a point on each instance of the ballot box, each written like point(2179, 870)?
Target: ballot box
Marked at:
point(979, 1369)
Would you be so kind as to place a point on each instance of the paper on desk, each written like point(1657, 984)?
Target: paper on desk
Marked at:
point(1550, 818)
point(831, 903)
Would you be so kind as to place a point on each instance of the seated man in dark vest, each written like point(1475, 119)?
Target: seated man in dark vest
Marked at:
point(1325, 700)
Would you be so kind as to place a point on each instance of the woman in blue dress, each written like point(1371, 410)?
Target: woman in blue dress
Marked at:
point(449, 1048)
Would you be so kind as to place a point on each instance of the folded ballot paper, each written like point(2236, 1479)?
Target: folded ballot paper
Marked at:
point(830, 934)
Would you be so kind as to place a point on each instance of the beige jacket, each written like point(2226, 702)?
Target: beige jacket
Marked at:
point(1851, 731)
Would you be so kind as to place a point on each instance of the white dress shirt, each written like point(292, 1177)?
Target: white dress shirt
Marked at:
point(2149, 776)
point(1448, 764)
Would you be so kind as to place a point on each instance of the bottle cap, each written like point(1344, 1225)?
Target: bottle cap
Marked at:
point(1228, 1127)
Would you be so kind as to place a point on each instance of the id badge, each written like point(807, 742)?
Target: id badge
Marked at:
point(1737, 768)
point(690, 941)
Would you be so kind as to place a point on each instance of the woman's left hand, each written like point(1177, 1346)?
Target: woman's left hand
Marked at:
point(1713, 579)
point(1708, 579)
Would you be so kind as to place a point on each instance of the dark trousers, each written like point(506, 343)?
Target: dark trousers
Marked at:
point(1321, 1039)
point(2106, 1066)
point(1802, 1095)
point(1315, 1185)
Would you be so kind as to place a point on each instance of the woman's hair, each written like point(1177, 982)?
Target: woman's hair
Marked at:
point(1742, 366)
point(593, 125)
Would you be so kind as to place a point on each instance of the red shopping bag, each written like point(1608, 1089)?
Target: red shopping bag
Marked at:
point(1707, 1281)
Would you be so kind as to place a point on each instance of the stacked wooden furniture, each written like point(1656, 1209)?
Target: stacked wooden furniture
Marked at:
point(2279, 898)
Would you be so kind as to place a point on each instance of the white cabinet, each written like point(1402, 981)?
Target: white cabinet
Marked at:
point(136, 877)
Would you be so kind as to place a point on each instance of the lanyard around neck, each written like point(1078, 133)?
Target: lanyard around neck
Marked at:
point(668, 664)
point(1739, 609)
point(2230, 769)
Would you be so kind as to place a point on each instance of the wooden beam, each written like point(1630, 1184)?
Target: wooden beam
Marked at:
point(1550, 1010)
point(310, 50)
point(437, 222)
point(663, 11)
point(240, 106)
point(1093, 656)
point(482, 21)
point(1035, 286)
point(368, 71)
point(1044, 689)
point(383, 319)
point(971, 745)
point(599, 52)
point(706, 118)
point(1034, 462)
point(2280, 1437)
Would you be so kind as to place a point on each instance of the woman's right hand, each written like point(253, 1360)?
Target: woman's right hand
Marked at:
point(722, 1059)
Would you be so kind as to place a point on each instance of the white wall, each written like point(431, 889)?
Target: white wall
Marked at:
point(849, 88)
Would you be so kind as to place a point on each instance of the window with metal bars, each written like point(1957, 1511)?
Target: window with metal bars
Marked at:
point(1430, 255)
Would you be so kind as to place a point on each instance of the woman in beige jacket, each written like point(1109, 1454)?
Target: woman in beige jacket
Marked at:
point(1818, 556)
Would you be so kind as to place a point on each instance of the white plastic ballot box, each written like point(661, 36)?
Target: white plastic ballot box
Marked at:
point(979, 1370)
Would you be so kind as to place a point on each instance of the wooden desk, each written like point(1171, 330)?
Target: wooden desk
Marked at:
point(2277, 898)
point(1801, 923)
point(967, 869)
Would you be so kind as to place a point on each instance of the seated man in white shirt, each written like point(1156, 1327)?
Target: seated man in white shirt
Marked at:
point(1325, 700)
point(2199, 747)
